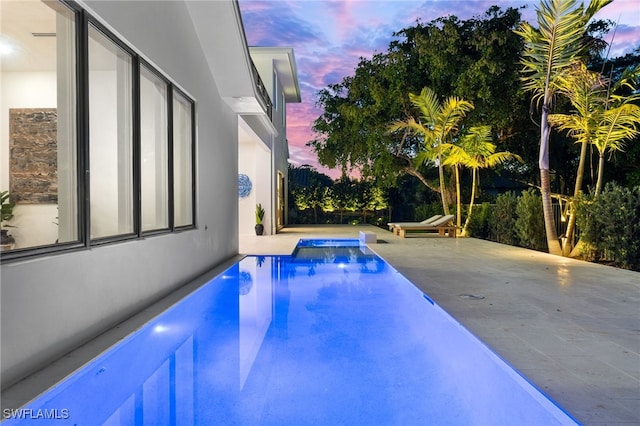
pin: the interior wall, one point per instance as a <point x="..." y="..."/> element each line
<point x="52" y="304"/>
<point x="33" y="224"/>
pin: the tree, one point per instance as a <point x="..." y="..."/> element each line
<point x="307" y="188"/>
<point x="600" y="117"/>
<point x="549" y="50"/>
<point x="343" y="195"/>
<point x="437" y="124"/>
<point x="618" y="124"/>
<point x="473" y="59"/>
<point x="476" y="151"/>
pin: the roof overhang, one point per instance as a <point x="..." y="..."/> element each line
<point x="284" y="63"/>
<point x="218" y="25"/>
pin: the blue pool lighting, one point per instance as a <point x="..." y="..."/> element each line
<point x="331" y="335"/>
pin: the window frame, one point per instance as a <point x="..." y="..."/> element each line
<point x="86" y="141"/>
<point x="83" y="20"/>
<point x="169" y="141"/>
<point x="193" y="109"/>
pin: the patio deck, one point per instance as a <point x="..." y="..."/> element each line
<point x="571" y="327"/>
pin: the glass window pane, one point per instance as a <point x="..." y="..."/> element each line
<point x="38" y="148"/>
<point x="182" y="160"/>
<point x="110" y="137"/>
<point x="154" y="148"/>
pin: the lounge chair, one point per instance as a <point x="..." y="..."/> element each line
<point x="442" y="225"/>
<point x="393" y="226"/>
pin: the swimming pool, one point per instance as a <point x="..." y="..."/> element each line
<point x="329" y="335"/>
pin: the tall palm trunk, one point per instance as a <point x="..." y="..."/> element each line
<point x="571" y="224"/>
<point x="600" y="174"/>
<point x="458" y="201"/>
<point x="443" y="192"/>
<point x="473" y="197"/>
<point x="545" y="182"/>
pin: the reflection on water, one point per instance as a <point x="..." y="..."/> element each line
<point x="268" y="342"/>
<point x="256" y="307"/>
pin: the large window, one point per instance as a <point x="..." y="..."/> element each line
<point x="38" y="127"/>
<point x="182" y="160"/>
<point x="154" y="144"/>
<point x="97" y="145"/>
<point x="110" y="137"/>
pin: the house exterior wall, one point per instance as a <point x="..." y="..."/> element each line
<point x="279" y="150"/>
<point x="50" y="305"/>
<point x="255" y="162"/>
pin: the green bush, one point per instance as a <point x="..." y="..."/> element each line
<point x="425" y="211"/>
<point x="479" y="223"/>
<point x="502" y="223"/>
<point x="610" y="226"/>
<point x="585" y="222"/>
<point x="529" y="223"/>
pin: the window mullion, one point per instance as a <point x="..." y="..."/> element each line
<point x="137" y="149"/>
<point x="84" y="142"/>
<point x="170" y="171"/>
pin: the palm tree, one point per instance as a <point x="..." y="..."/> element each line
<point x="437" y="123"/>
<point x="586" y="90"/>
<point x="549" y="50"/>
<point x="475" y="151"/>
<point x="597" y="119"/>
<point x="617" y="125"/>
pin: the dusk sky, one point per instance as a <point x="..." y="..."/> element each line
<point x="329" y="37"/>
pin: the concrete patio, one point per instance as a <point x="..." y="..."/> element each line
<point x="571" y="327"/>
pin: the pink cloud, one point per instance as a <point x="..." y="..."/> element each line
<point x="624" y="41"/>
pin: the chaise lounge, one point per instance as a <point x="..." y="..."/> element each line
<point x="443" y="225"/>
<point x="393" y="226"/>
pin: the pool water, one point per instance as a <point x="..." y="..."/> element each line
<point x="331" y="335"/>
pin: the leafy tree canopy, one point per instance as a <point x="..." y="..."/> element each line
<point x="473" y="59"/>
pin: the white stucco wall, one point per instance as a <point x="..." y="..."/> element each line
<point x="254" y="160"/>
<point x="52" y="304"/>
<point x="279" y="152"/>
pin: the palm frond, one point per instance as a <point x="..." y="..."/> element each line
<point x="578" y="127"/>
<point x="618" y="125"/>
<point x="556" y="43"/>
<point x="409" y="124"/>
<point x="427" y="103"/>
<point x="425" y="157"/>
<point x="455" y="155"/>
<point x="501" y="157"/>
<point x="451" y="113"/>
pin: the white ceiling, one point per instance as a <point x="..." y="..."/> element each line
<point x="18" y="20"/>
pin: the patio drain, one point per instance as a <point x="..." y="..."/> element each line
<point x="471" y="296"/>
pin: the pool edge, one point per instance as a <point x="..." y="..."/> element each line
<point x="31" y="387"/>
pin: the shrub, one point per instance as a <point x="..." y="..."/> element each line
<point x="585" y="221"/>
<point x="425" y="211"/>
<point x="529" y="223"/>
<point x="502" y="223"/>
<point x="479" y="223"/>
<point x="610" y="225"/>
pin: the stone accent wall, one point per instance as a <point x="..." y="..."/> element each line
<point x="33" y="163"/>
